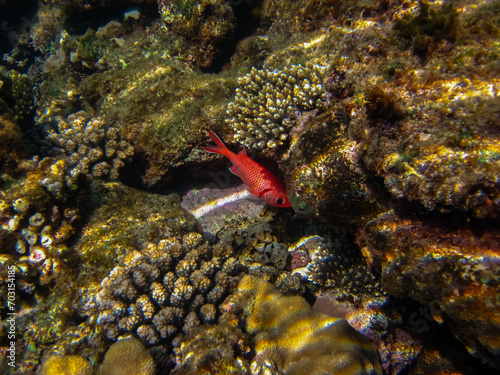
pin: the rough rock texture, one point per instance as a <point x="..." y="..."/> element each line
<point x="207" y="26"/>
<point x="12" y="149"/>
<point x="455" y="273"/>
<point x="325" y="178"/>
<point x="214" y="349"/>
<point x="125" y="219"/>
<point x="336" y="267"/>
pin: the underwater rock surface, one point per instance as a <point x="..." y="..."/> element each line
<point x="456" y="274"/>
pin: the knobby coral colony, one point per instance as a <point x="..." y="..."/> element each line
<point x="94" y="148"/>
<point x="37" y="214"/>
<point x="166" y="289"/>
<point x="265" y="106"/>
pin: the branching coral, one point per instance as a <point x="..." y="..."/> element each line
<point x="264" y="109"/>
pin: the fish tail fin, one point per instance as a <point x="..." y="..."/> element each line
<point x="220" y="147"/>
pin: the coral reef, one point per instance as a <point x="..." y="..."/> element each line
<point x="336" y="267"/>
<point x="254" y="241"/>
<point x="206" y="24"/>
<point x="399" y="110"/>
<point x="166" y="289"/>
<point x="265" y="106"/>
<point x="127" y="357"/>
<point x="12" y="148"/>
<point x="429" y="27"/>
<point x="16" y="95"/>
<point x="94" y="149"/>
<point x="291" y="337"/>
<point x="213" y="349"/>
<point x="325" y="176"/>
<point x="125" y="219"/>
<point x="454" y="273"/>
<point x="38" y="212"/>
<point x="66" y="365"/>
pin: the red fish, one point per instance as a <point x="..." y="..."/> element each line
<point x="258" y="179"/>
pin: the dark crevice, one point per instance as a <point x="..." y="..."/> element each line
<point x="79" y="21"/>
<point x="16" y="18"/>
<point x="246" y="24"/>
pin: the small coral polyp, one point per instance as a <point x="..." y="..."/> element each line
<point x="264" y="108"/>
<point x="93" y="148"/>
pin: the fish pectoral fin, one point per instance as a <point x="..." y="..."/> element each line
<point x="233" y="170"/>
<point x="262" y="192"/>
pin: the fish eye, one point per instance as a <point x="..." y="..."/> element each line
<point x="279" y="201"/>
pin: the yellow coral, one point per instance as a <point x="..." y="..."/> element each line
<point x="299" y="340"/>
<point x="127" y="357"/>
<point x="66" y="365"/>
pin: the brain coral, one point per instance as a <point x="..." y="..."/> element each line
<point x="297" y="340"/>
<point x="127" y="357"/>
<point x="264" y="108"/>
<point x="66" y="365"/>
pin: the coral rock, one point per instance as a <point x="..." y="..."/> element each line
<point x="455" y="273"/>
<point x="299" y="340"/>
<point x="264" y="109"/>
<point x="127" y="357"/>
<point x="66" y="365"/>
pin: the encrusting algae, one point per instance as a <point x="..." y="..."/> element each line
<point x="66" y="365"/>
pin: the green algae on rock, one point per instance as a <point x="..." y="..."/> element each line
<point x="12" y="148"/>
<point x="325" y="178"/>
<point x="207" y="26"/>
<point x="16" y="91"/>
<point x="125" y="219"/>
